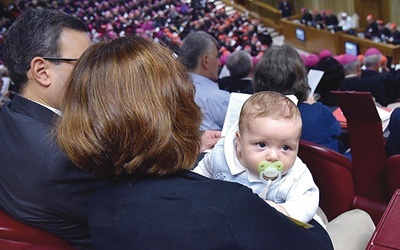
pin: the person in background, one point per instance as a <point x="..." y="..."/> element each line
<point x="240" y="66"/>
<point x="331" y="80"/>
<point x="354" y="82"/>
<point x="375" y="72"/>
<point x="147" y="148"/>
<point x="306" y="17"/>
<point x="384" y="32"/>
<point x="345" y="22"/>
<point x="199" y="52"/>
<point x="371" y="30"/>
<point x="39" y="185"/>
<point x="392" y="145"/>
<point x="394" y="34"/>
<point x="281" y="69"/>
<point x="285" y="8"/>
<point x="330" y="19"/>
<point x="318" y="19"/>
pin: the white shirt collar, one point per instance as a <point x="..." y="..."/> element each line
<point x="58" y="112"/>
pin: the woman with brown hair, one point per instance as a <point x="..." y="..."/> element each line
<point x="129" y="115"/>
<point x="281" y="69"/>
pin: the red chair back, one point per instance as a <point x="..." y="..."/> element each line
<point x="332" y="173"/>
<point x="17" y="235"/>
<point x="366" y="142"/>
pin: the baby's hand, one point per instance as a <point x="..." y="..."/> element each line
<point x="277" y="207"/>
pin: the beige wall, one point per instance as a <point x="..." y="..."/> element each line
<point x="393" y="11"/>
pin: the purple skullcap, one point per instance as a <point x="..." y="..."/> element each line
<point x="372" y="52"/>
<point x="338" y="57"/>
<point x="255" y="60"/>
<point x="347" y="58"/>
<point x="311" y="60"/>
<point x="325" y="53"/>
<point x="223" y="59"/>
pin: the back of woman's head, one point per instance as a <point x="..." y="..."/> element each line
<point x="129" y="109"/>
<point x="281" y="69"/>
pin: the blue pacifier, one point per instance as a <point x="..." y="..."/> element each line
<point x="270" y="172"/>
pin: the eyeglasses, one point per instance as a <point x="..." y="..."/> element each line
<point x="57" y="59"/>
<point x="60" y="59"/>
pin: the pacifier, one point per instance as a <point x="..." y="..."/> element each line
<point x="270" y="172"/>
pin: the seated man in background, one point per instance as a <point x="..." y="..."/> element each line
<point x="371" y="30"/>
<point x="373" y="68"/>
<point x="394" y="37"/>
<point x="384" y="32"/>
<point x="199" y="52"/>
<point x="39" y="185"/>
<point x="285" y="8"/>
<point x="240" y="66"/>
<point x="354" y="82"/>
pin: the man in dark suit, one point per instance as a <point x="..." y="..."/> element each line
<point x="285" y="8"/>
<point x="371" y="30"/>
<point x="373" y="66"/>
<point x="240" y="66"/>
<point x="38" y="184"/>
<point x="392" y="145"/>
<point x="353" y="81"/>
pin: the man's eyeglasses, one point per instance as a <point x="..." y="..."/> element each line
<point x="58" y="59"/>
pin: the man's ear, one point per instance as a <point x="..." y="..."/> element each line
<point x="39" y="71"/>
<point x="204" y="61"/>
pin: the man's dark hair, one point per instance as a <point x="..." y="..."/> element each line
<point x="35" y="33"/>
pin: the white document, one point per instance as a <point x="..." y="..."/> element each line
<point x="385" y="117"/>
<point x="314" y="76"/>
<point x="383" y="114"/>
<point x="235" y="105"/>
<point x="232" y="113"/>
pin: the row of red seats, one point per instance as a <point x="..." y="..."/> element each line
<point x="370" y="179"/>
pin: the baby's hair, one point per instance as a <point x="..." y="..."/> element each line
<point x="269" y="104"/>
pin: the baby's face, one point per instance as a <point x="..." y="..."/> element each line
<point x="266" y="139"/>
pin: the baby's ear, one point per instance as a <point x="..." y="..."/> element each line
<point x="237" y="133"/>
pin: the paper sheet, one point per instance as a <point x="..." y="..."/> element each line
<point x="314" y="76"/>
<point x="235" y="105"/>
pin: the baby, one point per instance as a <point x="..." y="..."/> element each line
<point x="261" y="153"/>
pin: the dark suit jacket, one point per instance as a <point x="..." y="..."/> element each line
<point x="286" y="9"/>
<point x="393" y="141"/>
<point x="231" y="84"/>
<point x="38" y="184"/>
<point x="370" y="84"/>
<point x="189" y="211"/>
<point x="387" y="79"/>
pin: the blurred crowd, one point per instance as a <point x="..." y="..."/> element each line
<point x="164" y="21"/>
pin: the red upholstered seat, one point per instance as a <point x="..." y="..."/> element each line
<point x="332" y="173"/>
<point x="375" y="177"/>
<point x="392" y="175"/>
<point x="16" y="235"/>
